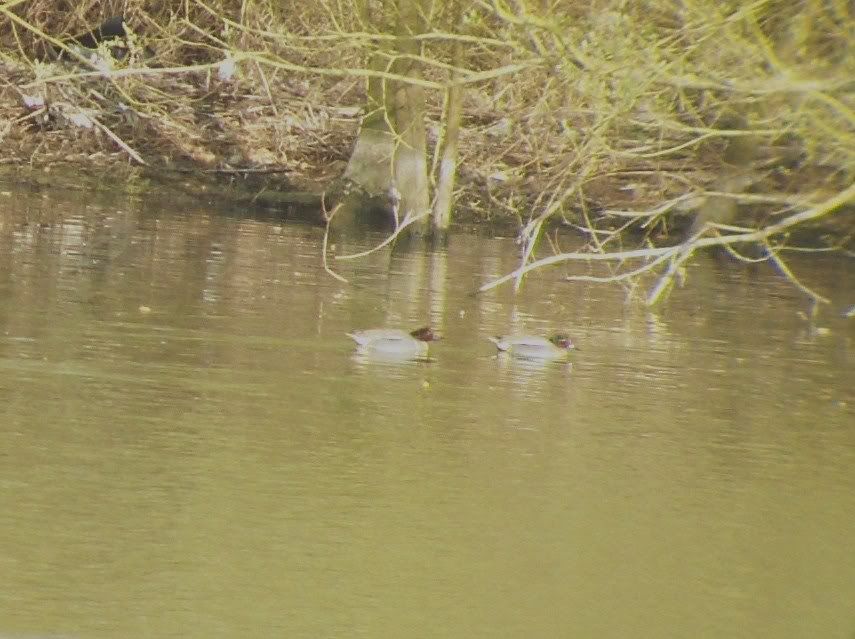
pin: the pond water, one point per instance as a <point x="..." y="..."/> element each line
<point x="190" y="448"/>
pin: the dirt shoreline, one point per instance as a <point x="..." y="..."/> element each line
<point x="280" y="154"/>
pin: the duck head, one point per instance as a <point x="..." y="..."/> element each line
<point x="425" y="334"/>
<point x="562" y="341"/>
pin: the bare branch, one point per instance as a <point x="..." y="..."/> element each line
<point x="329" y="218"/>
<point x="786" y="272"/>
<point x="760" y="235"/>
<point x="407" y="221"/>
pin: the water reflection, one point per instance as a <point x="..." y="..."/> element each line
<point x="185" y="469"/>
<point x="529" y="373"/>
<point x="365" y="359"/>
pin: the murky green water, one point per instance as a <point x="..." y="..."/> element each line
<point x="189" y="448"/>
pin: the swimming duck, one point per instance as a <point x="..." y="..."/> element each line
<point x="393" y="341"/>
<point x="533" y="346"/>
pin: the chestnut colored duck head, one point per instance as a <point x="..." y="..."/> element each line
<point x="563" y="341"/>
<point x="425" y="334"/>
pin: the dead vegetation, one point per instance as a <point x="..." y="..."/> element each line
<point x="623" y="120"/>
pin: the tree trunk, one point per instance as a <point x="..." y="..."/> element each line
<point x="448" y="151"/>
<point x="389" y="159"/>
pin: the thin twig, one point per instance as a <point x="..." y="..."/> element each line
<point x="786" y="272"/>
<point x="136" y="156"/>
<point x="329" y="219"/>
<point x="620" y="276"/>
<point x="408" y="220"/>
<point x="667" y="277"/>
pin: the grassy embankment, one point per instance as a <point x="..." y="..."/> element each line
<point x="709" y="118"/>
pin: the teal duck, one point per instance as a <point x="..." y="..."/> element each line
<point x="393" y="341"/>
<point x="533" y="346"/>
